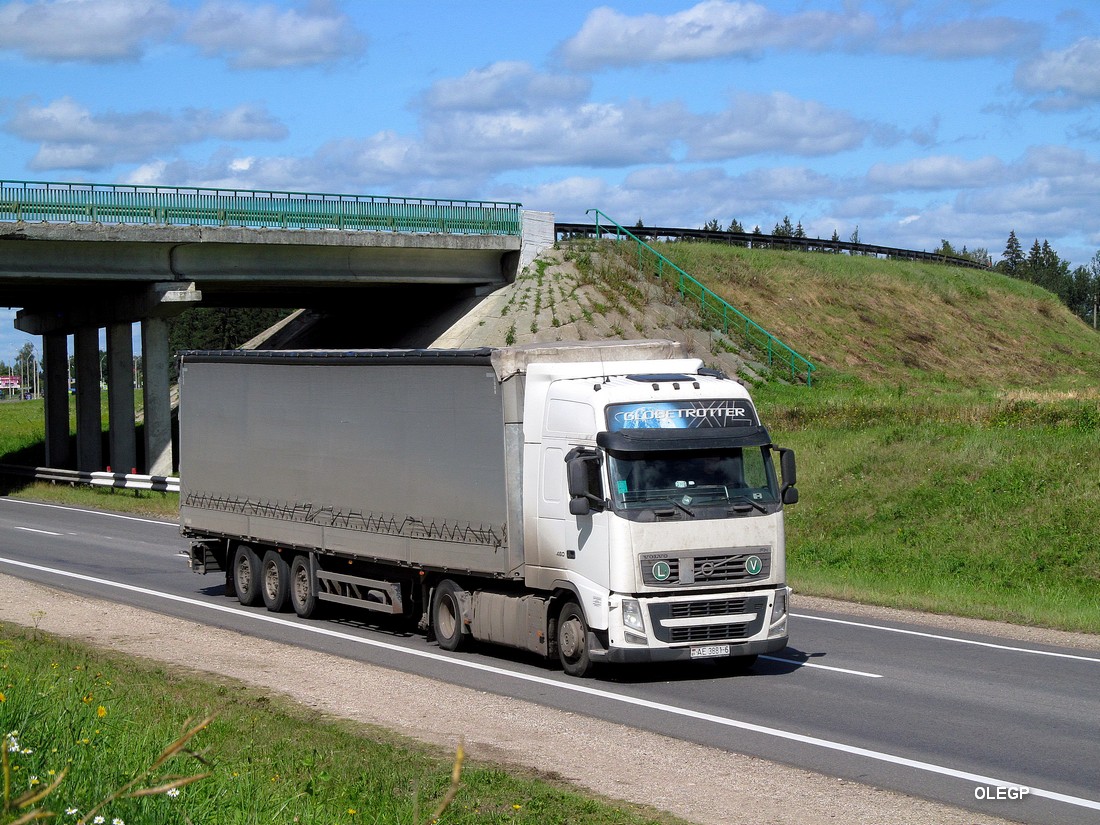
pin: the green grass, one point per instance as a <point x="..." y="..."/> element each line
<point x="104" y="719"/>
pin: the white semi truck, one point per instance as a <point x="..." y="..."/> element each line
<point x="598" y="502"/>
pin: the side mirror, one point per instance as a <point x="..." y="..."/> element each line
<point x="582" y="472"/>
<point x="790" y="476"/>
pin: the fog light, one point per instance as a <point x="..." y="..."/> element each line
<point x="632" y="615"/>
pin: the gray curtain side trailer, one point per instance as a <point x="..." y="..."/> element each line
<point x="407" y="482"/>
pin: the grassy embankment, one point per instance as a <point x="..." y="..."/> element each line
<point x="948" y="453"/>
<point x="104" y="719"/>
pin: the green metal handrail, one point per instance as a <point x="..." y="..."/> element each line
<point x="713" y="308"/>
<point x="194" y="206"/>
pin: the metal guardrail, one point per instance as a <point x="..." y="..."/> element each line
<point x="713" y="308"/>
<point x="34" y="201"/>
<point x="753" y="240"/>
<point x="120" y="481"/>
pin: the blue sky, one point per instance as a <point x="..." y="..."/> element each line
<point x="913" y="121"/>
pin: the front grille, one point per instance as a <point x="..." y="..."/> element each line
<point x="708" y="633"/>
<point x="740" y="565"/>
<point x="689" y="633"/>
<point x="718" y="607"/>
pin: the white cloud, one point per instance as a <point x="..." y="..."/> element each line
<point x="70" y="136"/>
<point x="505" y="85"/>
<point x="713" y="28"/>
<point x="247" y="35"/>
<point x="1069" y="78"/>
<point x="941" y="172"/>
<point x="775" y="123"/>
<point x="967" y="38"/>
<point x="269" y="37"/>
<point x="97" y="31"/>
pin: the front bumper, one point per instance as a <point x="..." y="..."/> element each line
<point x="748" y="622"/>
<point x="640" y="655"/>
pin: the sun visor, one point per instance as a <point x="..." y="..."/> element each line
<point x="657" y="440"/>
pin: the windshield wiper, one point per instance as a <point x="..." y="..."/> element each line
<point x="748" y="501"/>
<point x="682" y="506"/>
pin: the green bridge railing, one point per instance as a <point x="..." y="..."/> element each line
<point x="35" y="201"/>
<point x="713" y="308"/>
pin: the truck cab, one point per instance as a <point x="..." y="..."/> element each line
<point x="658" y="511"/>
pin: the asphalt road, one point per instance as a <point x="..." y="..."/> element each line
<point x="993" y="725"/>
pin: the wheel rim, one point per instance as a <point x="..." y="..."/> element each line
<point x="271" y="580"/>
<point x="301" y="584"/>
<point x="571" y="638"/>
<point x="244" y="572"/>
<point x="446" y="619"/>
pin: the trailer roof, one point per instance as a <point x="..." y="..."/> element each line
<point x="506" y="361"/>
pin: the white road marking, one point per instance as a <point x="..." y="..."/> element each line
<point x="32" y="530"/>
<point x="942" y="638"/>
<point x="103" y="513"/>
<point x="803" y="663"/>
<point x="576" y="687"/>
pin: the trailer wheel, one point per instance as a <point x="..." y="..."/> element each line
<point x="246" y="575"/>
<point x="572" y="640"/>
<point x="275" y="581"/>
<point x="302" y="587"/>
<point x="447" y="616"/>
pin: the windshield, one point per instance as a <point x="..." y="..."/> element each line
<point x="691" y="479"/>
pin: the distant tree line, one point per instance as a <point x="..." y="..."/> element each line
<point x="1079" y="290"/>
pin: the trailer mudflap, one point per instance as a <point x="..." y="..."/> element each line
<point x="202" y="558"/>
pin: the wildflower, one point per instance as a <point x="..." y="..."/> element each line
<point x="117" y="821"/>
<point x="2" y="698"/>
<point x="101" y="711"/>
<point x="99" y="820"/>
<point x="351" y="811"/>
<point x="71" y="812"/>
<point x="173" y="792"/>
<point x="517" y="806"/>
<point x="87" y="699"/>
<point x="34" y="781"/>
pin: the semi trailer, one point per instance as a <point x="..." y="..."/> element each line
<point x="591" y="502"/>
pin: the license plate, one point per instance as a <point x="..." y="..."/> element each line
<point x="709" y="651"/>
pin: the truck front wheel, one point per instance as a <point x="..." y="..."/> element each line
<point x="246" y="575"/>
<point x="572" y="641"/>
<point x="447" y="616"/>
<point x="275" y="581"/>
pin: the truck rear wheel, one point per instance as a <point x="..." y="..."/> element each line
<point x="572" y="641"/>
<point x="302" y="587"/>
<point x="246" y="575"/>
<point x="447" y="616"/>
<point x="275" y="581"/>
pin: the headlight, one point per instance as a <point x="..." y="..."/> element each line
<point x="632" y="615"/>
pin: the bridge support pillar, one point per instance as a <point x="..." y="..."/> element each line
<point x="89" y="416"/>
<point x="120" y="397"/>
<point x="55" y="357"/>
<point x="157" y="397"/>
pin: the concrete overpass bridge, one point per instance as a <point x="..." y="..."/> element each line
<point x="376" y="271"/>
